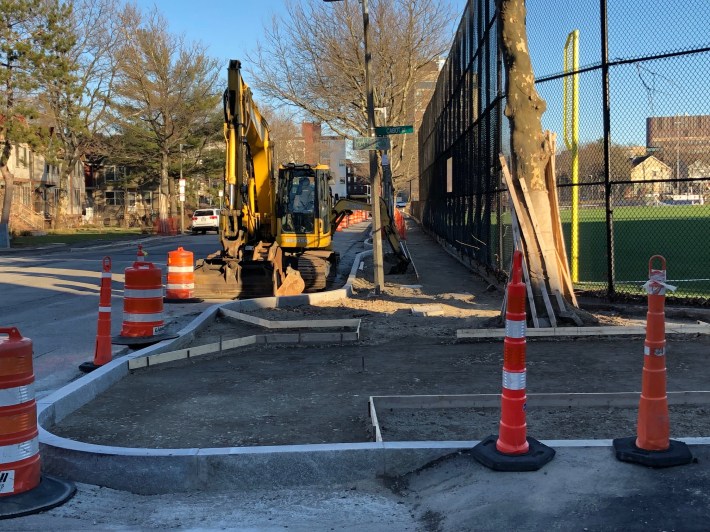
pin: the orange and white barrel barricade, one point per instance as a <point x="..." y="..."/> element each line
<point x="652" y="445"/>
<point x="21" y="481"/>
<point x="512" y="449"/>
<point x="142" y="306"/>
<point x="102" y="350"/>
<point x="180" y="281"/>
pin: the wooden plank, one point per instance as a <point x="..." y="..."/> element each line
<point x="526" y="274"/>
<point x="549" y="254"/>
<point x="517" y="236"/>
<point x="552" y="273"/>
<point x="561" y="248"/>
<point x="567" y="278"/>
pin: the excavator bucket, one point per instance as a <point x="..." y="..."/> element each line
<point x="292" y="284"/>
<point x="216" y="279"/>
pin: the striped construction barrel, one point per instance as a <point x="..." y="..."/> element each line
<point x="19" y="441"/>
<point x="181" y="275"/>
<point x="142" y="301"/>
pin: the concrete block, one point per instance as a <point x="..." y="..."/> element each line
<point x="170" y="356"/>
<point x="350" y="336"/>
<point x="137" y="363"/>
<point x="240" y="342"/>
<point x="292" y="301"/>
<point x="284" y="338"/>
<point x="320" y="338"/>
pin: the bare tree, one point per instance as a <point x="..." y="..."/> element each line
<point x="166" y="87"/>
<point x="284" y="133"/>
<point x="312" y="57"/>
<point x="76" y="102"/>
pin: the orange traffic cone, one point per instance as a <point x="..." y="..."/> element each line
<point x="102" y="351"/>
<point x="143" y="322"/>
<point x="141" y="255"/>
<point x="24" y="490"/>
<point x="652" y="445"/>
<point x="512" y="450"/>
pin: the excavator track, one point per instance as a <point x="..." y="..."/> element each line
<point x="315" y="272"/>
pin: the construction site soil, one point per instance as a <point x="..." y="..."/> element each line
<point x="288" y="394"/>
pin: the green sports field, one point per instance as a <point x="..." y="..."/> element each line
<point x="681" y="233"/>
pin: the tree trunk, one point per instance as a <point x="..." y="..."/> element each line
<point x="164" y="190"/>
<point x="61" y="214"/>
<point x="530" y="151"/>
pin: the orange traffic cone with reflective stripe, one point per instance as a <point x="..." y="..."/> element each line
<point x="24" y="489"/>
<point x="512" y="450"/>
<point x="102" y="351"/>
<point x="652" y="445"/>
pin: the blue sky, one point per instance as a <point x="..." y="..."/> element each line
<point x="230" y="28"/>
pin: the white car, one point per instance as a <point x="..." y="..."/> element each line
<point x="204" y="220"/>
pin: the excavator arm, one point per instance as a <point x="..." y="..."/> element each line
<point x="250" y="263"/>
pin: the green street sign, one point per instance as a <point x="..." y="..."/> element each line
<point x="393" y="130"/>
<point x="371" y="143"/>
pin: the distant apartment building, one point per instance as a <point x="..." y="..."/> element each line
<point x="36" y="190"/>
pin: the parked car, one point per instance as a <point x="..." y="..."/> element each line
<point x="204" y="220"/>
<point x="400" y="203"/>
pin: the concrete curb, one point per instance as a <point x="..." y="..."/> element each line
<point x="169" y="470"/>
<point x="153" y="471"/>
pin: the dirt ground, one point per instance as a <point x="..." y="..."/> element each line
<point x="267" y="395"/>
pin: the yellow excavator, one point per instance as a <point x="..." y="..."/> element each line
<point x="276" y="231"/>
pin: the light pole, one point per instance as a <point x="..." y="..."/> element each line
<point x="375" y="180"/>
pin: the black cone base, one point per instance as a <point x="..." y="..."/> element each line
<point x="537" y="456"/>
<point x="88" y="367"/>
<point x="185" y="300"/>
<point x="138" y="341"/>
<point x="676" y="454"/>
<point x="49" y="493"/>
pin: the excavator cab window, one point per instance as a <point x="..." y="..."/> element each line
<point x="298" y="195"/>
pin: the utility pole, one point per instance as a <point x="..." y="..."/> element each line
<point x="375" y="181"/>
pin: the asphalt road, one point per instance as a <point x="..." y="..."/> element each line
<point x="52" y="295"/>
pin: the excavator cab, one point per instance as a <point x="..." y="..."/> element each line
<point x="304" y="207"/>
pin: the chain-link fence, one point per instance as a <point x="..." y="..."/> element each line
<point x="633" y="161"/>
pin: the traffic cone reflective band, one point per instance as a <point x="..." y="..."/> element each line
<point x="512" y="450"/>
<point x="23" y="490"/>
<point x="180" y="284"/>
<point x="102" y="353"/>
<point x="512" y="430"/>
<point x="142" y="301"/>
<point x="652" y="445"/>
<point x="102" y="350"/>
<point x="142" y="306"/>
<point x="19" y="438"/>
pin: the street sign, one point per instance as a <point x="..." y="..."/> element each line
<point x="371" y="143"/>
<point x="393" y="130"/>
